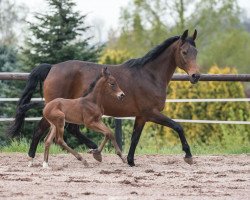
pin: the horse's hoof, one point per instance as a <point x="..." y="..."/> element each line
<point x="189" y="160"/>
<point x="96" y="154"/>
<point x="132" y="164"/>
<point x="45" y="165"/>
<point x="130" y="161"/>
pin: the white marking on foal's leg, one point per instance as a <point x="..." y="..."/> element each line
<point x="45" y="164"/>
<point x="30" y="162"/>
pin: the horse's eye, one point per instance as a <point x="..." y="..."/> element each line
<point x="184" y="52"/>
<point x="112" y="84"/>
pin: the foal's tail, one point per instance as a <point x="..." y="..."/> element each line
<point x="37" y="75"/>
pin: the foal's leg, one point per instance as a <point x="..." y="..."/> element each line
<point x="159" y="118"/>
<point x="75" y="131"/>
<point x="37" y="135"/>
<point x="101" y="127"/>
<point x="47" y="142"/>
<point x="63" y="144"/>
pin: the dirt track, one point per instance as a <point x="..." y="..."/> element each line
<point x="154" y="177"/>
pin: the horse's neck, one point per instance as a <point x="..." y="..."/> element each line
<point x="96" y="95"/>
<point x="164" y="66"/>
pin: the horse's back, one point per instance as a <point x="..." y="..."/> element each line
<point x="66" y="79"/>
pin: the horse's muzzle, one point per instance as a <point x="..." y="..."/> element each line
<point x="194" y="78"/>
<point x="120" y="95"/>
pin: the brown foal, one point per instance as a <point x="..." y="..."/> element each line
<point x="86" y="110"/>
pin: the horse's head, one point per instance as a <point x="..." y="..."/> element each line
<point x="112" y="85"/>
<point x="186" y="56"/>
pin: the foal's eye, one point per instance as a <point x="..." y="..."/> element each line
<point x="112" y="84"/>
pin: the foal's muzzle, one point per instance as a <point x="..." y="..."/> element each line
<point x="120" y="95"/>
<point x="194" y="78"/>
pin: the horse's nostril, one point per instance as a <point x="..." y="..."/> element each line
<point x="121" y="95"/>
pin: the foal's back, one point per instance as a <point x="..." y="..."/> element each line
<point x="76" y="111"/>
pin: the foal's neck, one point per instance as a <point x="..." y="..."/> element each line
<point x="164" y="66"/>
<point x="96" y="95"/>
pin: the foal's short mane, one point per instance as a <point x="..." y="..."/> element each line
<point x="92" y="85"/>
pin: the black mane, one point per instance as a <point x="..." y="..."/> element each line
<point x="152" y="54"/>
<point x="92" y="85"/>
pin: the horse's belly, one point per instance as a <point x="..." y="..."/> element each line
<point x="120" y="108"/>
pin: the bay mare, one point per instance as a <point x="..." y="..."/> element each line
<point x="87" y="110"/>
<point x="144" y="81"/>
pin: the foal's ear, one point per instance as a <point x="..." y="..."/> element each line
<point x="105" y="72"/>
<point x="194" y="35"/>
<point x="184" y="35"/>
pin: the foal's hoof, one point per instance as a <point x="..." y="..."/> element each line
<point x="189" y="160"/>
<point x="96" y="154"/>
<point x="123" y="159"/>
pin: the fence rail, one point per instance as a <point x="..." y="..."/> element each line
<point x="132" y="118"/>
<point x="176" y="77"/>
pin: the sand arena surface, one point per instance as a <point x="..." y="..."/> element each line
<point x="154" y="177"/>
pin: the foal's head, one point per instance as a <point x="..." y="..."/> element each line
<point x="186" y="56"/>
<point x="111" y="86"/>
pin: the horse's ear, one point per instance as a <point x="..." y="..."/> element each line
<point x="105" y="72"/>
<point x="194" y="35"/>
<point x="184" y="35"/>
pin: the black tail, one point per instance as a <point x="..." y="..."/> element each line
<point x="37" y="75"/>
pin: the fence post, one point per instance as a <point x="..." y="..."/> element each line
<point x="118" y="132"/>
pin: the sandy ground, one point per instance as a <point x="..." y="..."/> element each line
<point x="154" y="177"/>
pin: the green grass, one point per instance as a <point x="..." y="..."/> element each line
<point x="212" y="149"/>
<point x="22" y="146"/>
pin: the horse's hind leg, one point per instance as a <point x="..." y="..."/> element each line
<point x="75" y="131"/>
<point x="63" y="144"/>
<point x="37" y="135"/>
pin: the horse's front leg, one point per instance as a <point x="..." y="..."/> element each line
<point x="161" y="119"/>
<point x="138" y="127"/>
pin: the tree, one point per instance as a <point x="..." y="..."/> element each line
<point x="8" y="63"/>
<point x="58" y="36"/>
<point x="145" y="24"/>
<point x="11" y="16"/>
<point x="114" y="57"/>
